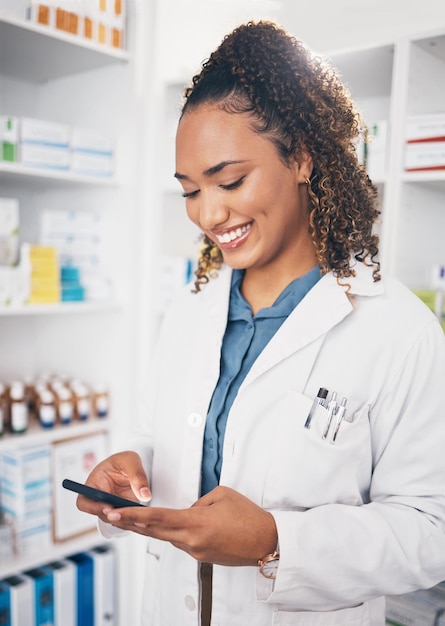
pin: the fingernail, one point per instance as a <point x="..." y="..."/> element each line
<point x="114" y="517"/>
<point x="140" y="525"/>
<point x="145" y="494"/>
<point x="106" y="510"/>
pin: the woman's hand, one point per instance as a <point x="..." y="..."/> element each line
<point x="121" y="474"/>
<point x="222" y="527"/>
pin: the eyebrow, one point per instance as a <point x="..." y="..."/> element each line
<point x="211" y="170"/>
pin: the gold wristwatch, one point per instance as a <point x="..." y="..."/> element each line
<point x="269" y="565"/>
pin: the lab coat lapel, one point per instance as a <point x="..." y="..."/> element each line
<point x="305" y="330"/>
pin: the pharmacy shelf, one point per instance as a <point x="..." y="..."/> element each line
<point x="38" y="54"/>
<point x="14" y="172"/>
<point x="376" y="80"/>
<point x="52" y="553"/>
<point x="59" y="308"/>
<point x="426" y="176"/>
<point x="36" y="434"/>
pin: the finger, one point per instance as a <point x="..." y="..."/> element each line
<point x="131" y="466"/>
<point x="161" y="523"/>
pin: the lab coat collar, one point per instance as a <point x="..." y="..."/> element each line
<point x="323" y="307"/>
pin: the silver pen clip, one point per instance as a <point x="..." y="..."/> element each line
<point x="332" y="409"/>
<point x="340" y="415"/>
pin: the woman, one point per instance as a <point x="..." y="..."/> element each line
<point x="294" y="452"/>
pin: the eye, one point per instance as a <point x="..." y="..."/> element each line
<point x="190" y="194"/>
<point x="233" y="185"/>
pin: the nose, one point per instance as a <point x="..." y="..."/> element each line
<point x="213" y="212"/>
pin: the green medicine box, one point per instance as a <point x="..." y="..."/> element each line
<point x="8" y="138"/>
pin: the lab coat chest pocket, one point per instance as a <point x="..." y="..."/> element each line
<point x="307" y="470"/>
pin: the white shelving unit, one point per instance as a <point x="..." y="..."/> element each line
<point x="12" y="172"/>
<point x="392" y="82"/>
<point x="55" y="54"/>
<point x="37" y="436"/>
<point x="58" y="77"/>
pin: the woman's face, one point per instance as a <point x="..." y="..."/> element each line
<point x="241" y="194"/>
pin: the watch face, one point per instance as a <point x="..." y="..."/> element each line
<point x="269" y="569"/>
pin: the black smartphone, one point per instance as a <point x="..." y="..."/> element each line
<point x="98" y="495"/>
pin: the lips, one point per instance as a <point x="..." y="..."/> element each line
<point x="231" y="238"/>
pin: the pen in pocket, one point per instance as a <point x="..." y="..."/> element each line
<point x="340" y="415"/>
<point x="319" y="400"/>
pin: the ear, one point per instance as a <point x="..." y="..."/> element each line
<point x="303" y="166"/>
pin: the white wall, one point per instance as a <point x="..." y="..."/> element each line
<point x="188" y="30"/>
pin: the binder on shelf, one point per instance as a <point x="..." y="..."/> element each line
<point x="5" y="607"/>
<point x="65" y="605"/>
<point x="85" y="588"/>
<point x="104" y="558"/>
<point x="21" y="594"/>
<point x="43" y="601"/>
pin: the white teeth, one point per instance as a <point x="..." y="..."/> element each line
<point x="233" y="234"/>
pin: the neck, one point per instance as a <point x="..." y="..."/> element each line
<point x="261" y="288"/>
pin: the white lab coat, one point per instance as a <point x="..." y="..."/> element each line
<point x="356" y="519"/>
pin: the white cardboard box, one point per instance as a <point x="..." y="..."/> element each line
<point x="426" y="127"/>
<point x="425" y="156"/>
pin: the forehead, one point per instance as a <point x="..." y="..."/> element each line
<point x="208" y="135"/>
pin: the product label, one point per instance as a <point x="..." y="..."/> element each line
<point x="83" y="408"/>
<point x="19" y="417"/>
<point x="47" y="415"/>
<point x="102" y="406"/>
<point x="66" y="411"/>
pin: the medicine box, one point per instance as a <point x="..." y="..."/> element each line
<point x="44" y="133"/>
<point x="425" y="156"/>
<point x="44" y="144"/>
<point x="375" y="150"/>
<point x="42" y="12"/>
<point x="92" y="142"/>
<point x="31" y="536"/>
<point x="14" y="285"/>
<point x="5" y="605"/>
<point x="104" y="577"/>
<point x="65" y="605"/>
<point x="43" y="587"/>
<point x="426" y="128"/>
<point x="25" y="481"/>
<point x="9" y="231"/>
<point x="6" y="541"/>
<point x="90" y="164"/>
<point x="43" y="156"/>
<point x="21" y="600"/>
<point x="85" y="588"/>
<point x="9" y="138"/>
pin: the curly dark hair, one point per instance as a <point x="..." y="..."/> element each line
<point x="300" y="103"/>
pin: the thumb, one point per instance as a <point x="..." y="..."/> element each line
<point x="131" y="465"/>
<point x="140" y="487"/>
<point x="209" y="498"/>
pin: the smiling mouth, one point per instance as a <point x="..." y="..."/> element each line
<point x="234" y="235"/>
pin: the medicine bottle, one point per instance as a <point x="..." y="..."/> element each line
<point x="2" y="408"/>
<point x="101" y="400"/>
<point x="47" y="408"/>
<point x="64" y="404"/>
<point x="18" y="407"/>
<point x="82" y="401"/>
